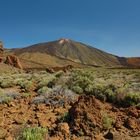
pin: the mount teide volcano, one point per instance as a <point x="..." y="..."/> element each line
<point x="68" y="52"/>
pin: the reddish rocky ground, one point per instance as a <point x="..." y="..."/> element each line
<point x="88" y="118"/>
<point x="21" y="113"/>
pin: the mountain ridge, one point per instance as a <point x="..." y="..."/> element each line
<point x="67" y="51"/>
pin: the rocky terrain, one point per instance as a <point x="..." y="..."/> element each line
<point x="89" y="118"/>
<point x="65" y="97"/>
<point x="75" y="104"/>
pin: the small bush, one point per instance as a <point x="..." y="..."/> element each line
<point x="65" y="117"/>
<point x="1" y="92"/>
<point x="36" y="133"/>
<point x="132" y="99"/>
<point x="59" y="74"/>
<point x="6" y="83"/>
<point x="110" y="95"/>
<point x="77" y="89"/>
<point x="45" y="80"/>
<point x="107" y="122"/>
<point x="6" y="99"/>
<point x="51" y="84"/>
<point x="44" y="90"/>
<point x="27" y="85"/>
<point x="138" y="105"/>
<point x="26" y="95"/>
<point x="80" y="132"/>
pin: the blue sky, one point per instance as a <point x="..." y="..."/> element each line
<point x="110" y="25"/>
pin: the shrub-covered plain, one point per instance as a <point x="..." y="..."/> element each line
<point x="114" y="85"/>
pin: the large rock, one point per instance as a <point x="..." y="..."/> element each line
<point x="14" y="61"/>
<point x="1" y="47"/>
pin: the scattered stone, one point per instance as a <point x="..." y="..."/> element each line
<point x="3" y="133"/>
<point x="64" y="128"/>
<point x="134" y="112"/>
<point x="131" y="123"/>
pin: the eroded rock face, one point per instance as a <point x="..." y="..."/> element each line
<point x="1" y="47"/>
<point x="14" y="61"/>
<point x="9" y="59"/>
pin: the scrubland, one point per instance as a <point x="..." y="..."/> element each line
<point x="87" y="103"/>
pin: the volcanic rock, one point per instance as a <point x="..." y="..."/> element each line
<point x="64" y="128"/>
<point x="3" y="133"/>
<point x="88" y="116"/>
<point x="131" y="123"/>
<point x="1" y="48"/>
<point x="14" y="61"/>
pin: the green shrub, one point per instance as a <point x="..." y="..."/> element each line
<point x="36" y="133"/>
<point x="44" y="90"/>
<point x="7" y="99"/>
<point x="65" y="117"/>
<point x="27" y="85"/>
<point x="77" y="89"/>
<point x="6" y="83"/>
<point x="131" y="99"/>
<point x="138" y="105"/>
<point x="80" y="132"/>
<point x="51" y="84"/>
<point x="44" y="81"/>
<point x="26" y="95"/>
<point x="107" y="122"/>
<point x="81" y="81"/>
<point x="110" y="95"/>
<point x="1" y="92"/>
<point x="59" y="74"/>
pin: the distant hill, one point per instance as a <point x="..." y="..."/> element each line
<point x="65" y="51"/>
<point x="68" y="52"/>
<point x="133" y="61"/>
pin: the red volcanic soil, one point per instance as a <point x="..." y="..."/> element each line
<point x="91" y="117"/>
<point x="135" y="61"/>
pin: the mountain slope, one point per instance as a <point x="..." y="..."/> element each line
<point x="65" y="51"/>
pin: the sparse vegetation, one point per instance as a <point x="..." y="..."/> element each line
<point x="26" y="95"/>
<point x="106" y="86"/>
<point x="6" y="83"/>
<point x="80" y="132"/>
<point x="36" y="133"/>
<point x="65" y="117"/>
<point x="44" y="90"/>
<point x="107" y="122"/>
<point x="42" y="94"/>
